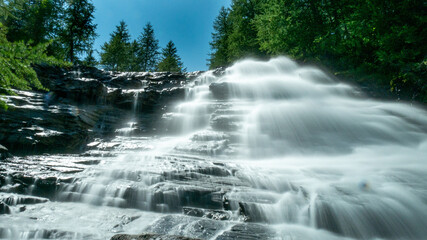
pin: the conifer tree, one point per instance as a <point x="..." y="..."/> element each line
<point x="115" y="54"/>
<point x="90" y="59"/>
<point x="79" y="31"/>
<point x="134" y="59"/>
<point x="170" y="61"/>
<point x="219" y="56"/>
<point x="242" y="41"/>
<point x="148" y="49"/>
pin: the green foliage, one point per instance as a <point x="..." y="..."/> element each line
<point x="134" y="62"/>
<point x="365" y="37"/>
<point x="35" y="21"/>
<point x="16" y="59"/>
<point x="242" y="40"/>
<point x="170" y="61"/>
<point x="79" y="31"/>
<point x="222" y="27"/>
<point x="90" y="59"/>
<point x="66" y="24"/>
<point x="148" y="49"/>
<point x="116" y="55"/>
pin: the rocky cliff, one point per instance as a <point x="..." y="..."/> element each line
<point x="85" y="103"/>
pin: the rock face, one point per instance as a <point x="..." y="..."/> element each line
<point x="149" y="237"/>
<point x="84" y="103"/>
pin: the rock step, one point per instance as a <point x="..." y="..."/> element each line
<point x="149" y="236"/>
<point x="6" y="233"/>
<point x="207" y="213"/>
<point x="204" y="228"/>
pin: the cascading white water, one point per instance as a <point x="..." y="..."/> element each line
<point x="284" y="146"/>
<point x="280" y="108"/>
<point x="357" y="166"/>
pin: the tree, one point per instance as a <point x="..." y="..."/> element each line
<point x="170" y="61"/>
<point x="37" y="21"/>
<point x="115" y="54"/>
<point x="242" y="41"/>
<point x="16" y="59"/>
<point x="148" y="49"/>
<point x="134" y="61"/>
<point x="219" y="45"/>
<point x="90" y="60"/>
<point x="79" y="31"/>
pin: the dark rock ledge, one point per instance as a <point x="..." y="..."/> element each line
<point x="84" y="103"/>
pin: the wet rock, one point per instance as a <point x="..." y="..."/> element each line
<point x="187" y="226"/>
<point x="219" y="71"/>
<point x="149" y="236"/>
<point x="83" y="103"/>
<point x="17" y="200"/>
<point x="220" y="90"/>
<point x="4" y="152"/>
<point x="6" y="233"/>
<point x="249" y="232"/>
<point x="30" y="126"/>
<point x="4" y="208"/>
<point x="225" y="123"/>
<point x="207" y="213"/>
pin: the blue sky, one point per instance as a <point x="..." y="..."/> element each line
<point x="188" y="23"/>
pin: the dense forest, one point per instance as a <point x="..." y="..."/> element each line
<point x="383" y="42"/>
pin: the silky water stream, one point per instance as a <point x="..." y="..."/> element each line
<point x="268" y="150"/>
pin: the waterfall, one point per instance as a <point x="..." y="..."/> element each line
<point x="267" y="150"/>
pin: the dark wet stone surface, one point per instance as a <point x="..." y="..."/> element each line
<point x="248" y="231"/>
<point x="4" y="208"/>
<point x="149" y="236"/>
<point x="83" y="103"/>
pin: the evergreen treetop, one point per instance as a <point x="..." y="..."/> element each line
<point x="115" y="53"/>
<point x="79" y="31"/>
<point x="220" y="56"/>
<point x="148" y="49"/>
<point x="170" y="61"/>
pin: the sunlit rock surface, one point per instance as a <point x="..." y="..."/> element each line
<point x="83" y="103"/>
<point x="281" y="152"/>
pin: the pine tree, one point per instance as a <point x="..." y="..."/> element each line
<point x="242" y="41"/>
<point x="134" y="59"/>
<point x="170" y="61"/>
<point x="148" y="49"/>
<point x="219" y="56"/>
<point x="90" y="60"/>
<point x="115" y="54"/>
<point x="79" y="32"/>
